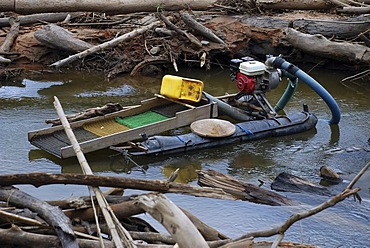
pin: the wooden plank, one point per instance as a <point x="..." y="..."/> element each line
<point x="145" y="105"/>
<point x="181" y="119"/>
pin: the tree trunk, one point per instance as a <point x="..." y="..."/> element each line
<point x="318" y="45"/>
<point x="294" y="4"/>
<point x="57" y="37"/>
<point x="113" y="6"/>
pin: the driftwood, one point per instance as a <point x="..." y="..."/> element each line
<point x="199" y="28"/>
<point x="244" y="191"/>
<point x="120" y="236"/>
<point x="294" y="4"/>
<point x="52" y="215"/>
<point x="11" y="36"/>
<point x="173" y="219"/>
<point x="18" y="238"/>
<point x="320" y="46"/>
<point x="88" y="113"/>
<point x="39" y="179"/>
<point x="289" y="183"/>
<point x="114" y="6"/>
<point x="31" y="19"/>
<point x="330" y="26"/>
<point x="57" y="37"/>
<point x="105" y="45"/>
<point x="280" y="230"/>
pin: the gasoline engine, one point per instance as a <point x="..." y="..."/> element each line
<point x="254" y="79"/>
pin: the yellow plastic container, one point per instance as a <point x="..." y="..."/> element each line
<point x="180" y="88"/>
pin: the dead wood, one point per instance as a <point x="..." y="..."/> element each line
<point x="54" y="36"/>
<point x="355" y="10"/>
<point x="294" y="4"/>
<point x="114" y="6"/>
<point x="194" y="40"/>
<point x="201" y="29"/>
<point x="241" y="190"/>
<point x="121" y="210"/>
<point x="52" y="215"/>
<point x="18" y="238"/>
<point x="39" y="179"/>
<point x="105" y="45"/>
<point x="320" y="46"/>
<point x="11" y="36"/>
<point x="173" y="219"/>
<point x="280" y="230"/>
<point x="149" y="61"/>
<point x="88" y="113"/>
<point x="289" y="183"/>
<point x="31" y="19"/>
<point x="328" y="25"/>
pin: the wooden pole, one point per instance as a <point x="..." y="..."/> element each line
<point x="104" y="206"/>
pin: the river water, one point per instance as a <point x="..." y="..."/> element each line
<point x="27" y="102"/>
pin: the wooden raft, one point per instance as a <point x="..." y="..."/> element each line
<point x="55" y="141"/>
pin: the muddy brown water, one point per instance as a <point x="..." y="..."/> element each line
<point x="25" y="104"/>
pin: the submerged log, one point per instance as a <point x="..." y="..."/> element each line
<point x="52" y="215"/>
<point x="57" y="37"/>
<point x="289" y="183"/>
<point x="242" y="190"/>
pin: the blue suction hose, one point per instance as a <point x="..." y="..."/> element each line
<point x="279" y="62"/>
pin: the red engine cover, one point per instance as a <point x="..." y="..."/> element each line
<point x="245" y="83"/>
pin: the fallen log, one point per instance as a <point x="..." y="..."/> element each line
<point x="244" y="191"/>
<point x="105" y="45"/>
<point x="289" y="183"/>
<point x="52" y="215"/>
<point x="318" y="45"/>
<point x="328" y="26"/>
<point x="57" y="37"/>
<point x="31" y="19"/>
<point x="39" y="179"/>
<point x="294" y="4"/>
<point x="11" y="35"/>
<point x="112" y="6"/>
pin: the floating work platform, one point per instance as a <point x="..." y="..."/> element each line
<point x="152" y="116"/>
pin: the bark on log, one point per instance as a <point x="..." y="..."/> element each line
<point x="289" y="183"/>
<point x="39" y="179"/>
<point x="52" y="215"/>
<point x="342" y="28"/>
<point x="294" y="4"/>
<point x="57" y="37"/>
<point x="318" y="45"/>
<point x="244" y="191"/>
<point x="11" y="35"/>
<point x="200" y="29"/>
<point x="105" y="45"/>
<point x="355" y="10"/>
<point x="31" y="19"/>
<point x="111" y="7"/>
<point x="18" y="238"/>
<point x="173" y="219"/>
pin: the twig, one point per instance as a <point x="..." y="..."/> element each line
<point x="356" y="75"/>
